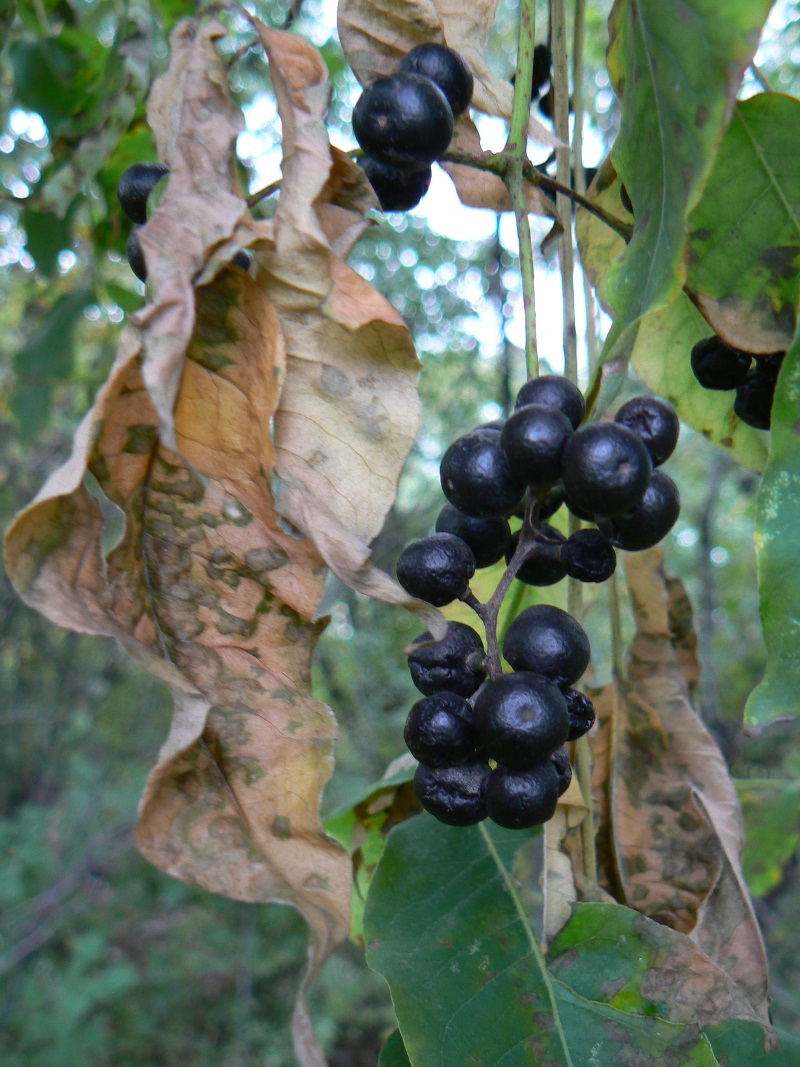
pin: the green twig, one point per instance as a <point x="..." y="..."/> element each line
<point x="532" y="939"/>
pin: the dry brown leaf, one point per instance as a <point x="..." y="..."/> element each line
<point x="376" y="36"/>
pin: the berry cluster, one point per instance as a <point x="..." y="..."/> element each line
<point x="404" y="122"/>
<point x="718" y="365"/>
<point x="528" y="465"/>
<point x="133" y="191"/>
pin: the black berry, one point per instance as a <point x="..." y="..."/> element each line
<point x="541" y="69"/>
<point x="534" y="439"/>
<point x="455" y="795"/>
<point x="605" y="468"/>
<point x="476" y="477"/>
<point x="395" y="188"/>
<point x="649" y="520"/>
<point x="581" y="713"/>
<point x="518" y="799"/>
<point x="135" y="186"/>
<point x="446" y="68"/>
<point x="560" y="760"/>
<point x="655" y="421"/>
<point x="551" y="502"/>
<point x="439" y="730"/>
<point x="135" y="254"/>
<point x="588" y="556"/>
<point x="717" y="365"/>
<point x="521" y="719"/>
<point x="436" y="569"/>
<point x="548" y="641"/>
<point x="553" y="391"/>
<point x="753" y="403"/>
<point x="544" y="566"/>
<point x="403" y="120"/>
<point x="242" y="260"/>
<point x="452" y="664"/>
<point x="488" y="538"/>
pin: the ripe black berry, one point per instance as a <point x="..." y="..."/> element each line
<point x="753" y="403"/>
<point x="446" y="68"/>
<point x="534" y="439"/>
<point x="548" y="641"/>
<point x="452" y="664"/>
<point x="588" y="557"/>
<point x="436" y="569"/>
<point x="488" y="538"/>
<point x="581" y="713"/>
<point x="605" y="468"/>
<point x="135" y="254"/>
<point x="717" y="365"/>
<point x="518" y="799"/>
<point x="541" y="69"/>
<point x="403" y="120"/>
<point x="649" y="520"/>
<point x="455" y="795"/>
<point x="476" y="478"/>
<point x="395" y="188"/>
<point x="439" y="730"/>
<point x="242" y="260"/>
<point x="521" y="719"/>
<point x="553" y="391"/>
<point x="551" y="502"/>
<point x="655" y="421"/>
<point x="545" y="566"/>
<point x="560" y="760"/>
<point x="135" y="186"/>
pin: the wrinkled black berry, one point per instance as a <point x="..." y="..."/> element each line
<point x="436" y="569"/>
<point x="403" y="120"/>
<point x="548" y="641"/>
<point x="488" y="538"/>
<point x="449" y="664"/>
<point x="439" y="730"/>
<point x="476" y="478"/>
<point x="454" y="795"/>
<point x="534" y="439"/>
<point x="649" y="520"/>
<point x="135" y="186"/>
<point x="545" y="566"/>
<point x="605" y="468"/>
<point x="519" y="799"/>
<point x="521" y="719"/>
<point x="395" y="188"/>
<point x="588" y="557"/>
<point x="560" y="760"/>
<point x="135" y="254"/>
<point x="581" y="713"/>
<point x="655" y="421"/>
<point x="717" y="365"/>
<point x="553" y="391"/>
<point x="444" y="66"/>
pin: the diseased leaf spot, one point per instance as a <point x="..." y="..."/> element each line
<point x="281" y="827"/>
<point x="334" y="383"/>
<point x="263" y="560"/>
<point x="140" y="440"/>
<point x="236" y="513"/>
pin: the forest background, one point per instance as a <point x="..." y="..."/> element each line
<point x="104" y="959"/>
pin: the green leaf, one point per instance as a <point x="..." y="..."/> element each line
<point x="777" y="533"/>
<point x="45" y="236"/>
<point x="771" y="809"/>
<point x="677" y="72"/>
<point x="741" y="1044"/>
<point x="393" y="1053"/>
<point x="443" y="928"/>
<point x="744" y="235"/>
<point x="43" y="72"/>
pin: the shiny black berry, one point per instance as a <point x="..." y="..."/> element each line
<point x="581" y="713"/>
<point x="403" y="120"/>
<point x="548" y="641"/>
<point x="553" y="391"/>
<point x="439" y="730"/>
<point x="395" y="188"/>
<point x="534" y="439"/>
<point x="544" y="566"/>
<point x="135" y="254"/>
<point x="560" y="760"/>
<point x="753" y="403"/>
<point x="449" y="70"/>
<point x="521" y="719"/>
<point x="717" y="365"/>
<point x="655" y="421"/>
<point x="588" y="557"/>
<point x="452" y="664"/>
<point x="523" y="798"/>
<point x="605" y="468"/>
<point x="476" y="477"/>
<point x="550" y="503"/>
<point x="436" y="569"/>
<point x="488" y="538"/>
<point x="135" y="186"/>
<point x="454" y="795"/>
<point x="649" y="520"/>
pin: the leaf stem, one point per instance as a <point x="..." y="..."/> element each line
<point x="531" y="936"/>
